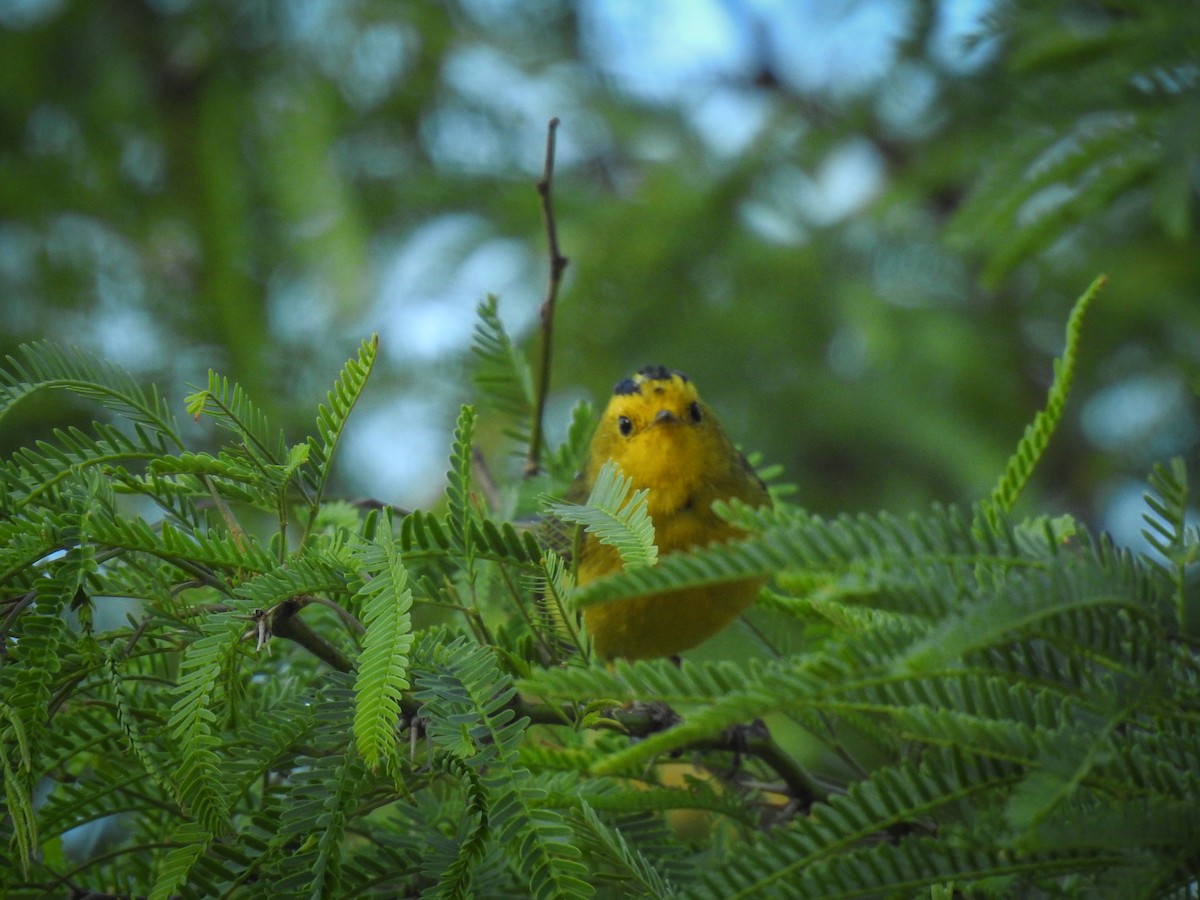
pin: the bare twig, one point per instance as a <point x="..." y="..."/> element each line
<point x="558" y="263"/>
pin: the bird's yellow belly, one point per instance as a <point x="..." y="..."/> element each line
<point x="667" y="623"/>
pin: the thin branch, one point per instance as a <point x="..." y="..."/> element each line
<point x="558" y="263"/>
<point x="758" y="742"/>
<point x="642" y="720"/>
<point x="352" y="624"/>
<point x="285" y="623"/>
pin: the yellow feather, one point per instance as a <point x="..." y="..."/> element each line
<point x="668" y="442"/>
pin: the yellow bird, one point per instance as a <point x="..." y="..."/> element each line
<point x="670" y="443"/>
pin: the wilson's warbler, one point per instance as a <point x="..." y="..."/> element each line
<point x="667" y="441"/>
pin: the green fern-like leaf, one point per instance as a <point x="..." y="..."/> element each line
<point x="33" y="474"/>
<point x="193" y="720"/>
<point x="550" y="861"/>
<point x="465" y="681"/>
<point x="1068" y="760"/>
<point x="382" y="667"/>
<point x="322" y="803"/>
<point x="226" y="403"/>
<point x="830" y="836"/>
<point x="110" y="787"/>
<point x="332" y="417"/>
<point x="176" y="866"/>
<point x="914" y="865"/>
<point x="311" y="571"/>
<point x="1111" y="112"/>
<point x="502" y="373"/>
<point x="465" y="706"/>
<point x="295" y="818"/>
<point x="454" y="880"/>
<point x="1166" y="531"/>
<point x="616" y="515"/>
<point x="425" y="537"/>
<point x="187" y="548"/>
<point x="1036" y="603"/>
<point x="462" y="516"/>
<point x="504" y="541"/>
<point x="1037" y="436"/>
<point x="48" y="366"/>
<point x="1108" y="823"/>
<point x="127" y="719"/>
<point x="877" y="550"/>
<point x="267" y="733"/>
<point x="27" y="677"/>
<point x="16" y="769"/>
<point x="1036" y="166"/>
<point x="568" y="458"/>
<point x="637" y="875"/>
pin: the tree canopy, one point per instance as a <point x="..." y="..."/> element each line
<point x="859" y="231"/>
<point x="274" y="617"/>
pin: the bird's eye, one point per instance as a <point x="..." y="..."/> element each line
<point x="624" y="425"/>
<point x="695" y="412"/>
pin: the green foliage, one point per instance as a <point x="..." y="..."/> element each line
<point x="1121" y="81"/>
<point x="501" y="372"/>
<point x="382" y="668"/>
<point x="49" y="367"/>
<point x="1037" y="435"/>
<point x="331" y="421"/>
<point x="383" y="707"/>
<point x="1167" y="532"/>
<point x="616" y="515"/>
<point x="217" y="681"/>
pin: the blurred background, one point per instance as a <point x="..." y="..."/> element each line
<point x="859" y="225"/>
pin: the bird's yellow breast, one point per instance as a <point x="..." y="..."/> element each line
<point x="670" y="444"/>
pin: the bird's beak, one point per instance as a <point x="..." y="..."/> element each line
<point x="666" y="417"/>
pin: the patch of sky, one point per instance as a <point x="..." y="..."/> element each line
<point x="842" y="48"/>
<point x="119" y="325"/>
<point x="961" y="41"/>
<point x="729" y="119"/>
<point x="788" y="202"/>
<point x="434" y="281"/>
<point x="848" y="178"/>
<point x="1148" y="418"/>
<point x="497" y="119"/>
<point x="916" y="273"/>
<point x="847" y="351"/>
<point x="170" y="7"/>
<point x="367" y="61"/>
<point x="299" y="306"/>
<point x="906" y="101"/>
<point x="512" y="17"/>
<point x="19" y="249"/>
<point x="378" y="151"/>
<point x="398" y="451"/>
<point x="1123" y="514"/>
<point x="768" y="218"/>
<point x="52" y="131"/>
<point x="27" y="13"/>
<point x="680" y="51"/>
<point x="143" y="163"/>
<point x="375" y="61"/>
<point x="666" y="50"/>
<point x="661" y="52"/>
